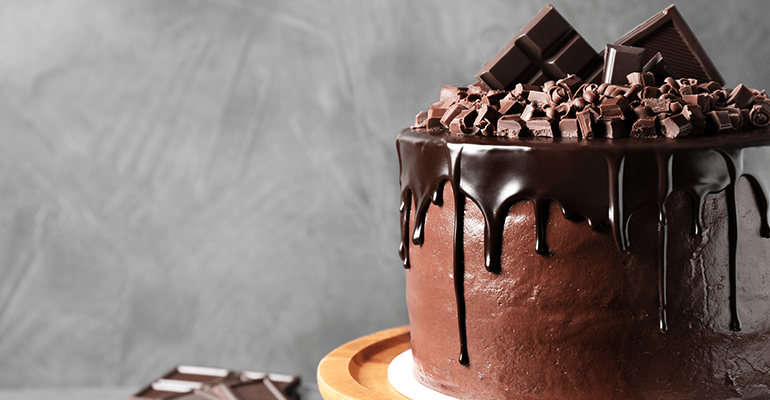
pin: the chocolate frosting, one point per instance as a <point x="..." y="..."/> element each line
<point x="603" y="181"/>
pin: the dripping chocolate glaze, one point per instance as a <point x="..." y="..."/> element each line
<point x="601" y="180"/>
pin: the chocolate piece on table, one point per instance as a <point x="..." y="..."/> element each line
<point x="259" y="389"/>
<point x="659" y="69"/>
<point x="644" y="128"/>
<point x="667" y="33"/>
<point x="741" y="96"/>
<point x="547" y="48"/>
<point x="619" y="61"/>
<point x="676" y="126"/>
<point x="569" y="127"/>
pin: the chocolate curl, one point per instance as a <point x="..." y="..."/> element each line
<point x="759" y="115"/>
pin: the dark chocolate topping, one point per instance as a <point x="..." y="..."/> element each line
<point x="667" y="33"/>
<point x="602" y="180"/>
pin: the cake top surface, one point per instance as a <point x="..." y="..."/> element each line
<point x="656" y="81"/>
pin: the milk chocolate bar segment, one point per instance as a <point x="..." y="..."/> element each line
<point x="547" y="48"/>
<point x="667" y="33"/>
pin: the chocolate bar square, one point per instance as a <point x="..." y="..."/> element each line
<point x="547" y="48"/>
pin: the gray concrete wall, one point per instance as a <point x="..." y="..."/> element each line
<point x="215" y="182"/>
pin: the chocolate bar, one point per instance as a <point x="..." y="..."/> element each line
<point x="547" y="48"/>
<point x="202" y="383"/>
<point x="668" y="34"/>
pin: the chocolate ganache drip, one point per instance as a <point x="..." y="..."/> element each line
<point x="602" y="180"/>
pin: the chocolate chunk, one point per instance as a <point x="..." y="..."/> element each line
<point x="541" y="126"/>
<point x="615" y="128"/>
<point x="538" y="99"/>
<point x="694" y="114"/>
<point x="644" y="128"/>
<point x="421" y="120"/>
<point x="619" y="61"/>
<point x="511" y="126"/>
<point x="718" y="121"/>
<point x="509" y="105"/>
<point x="667" y="33"/>
<point x="660" y="69"/>
<point x="586" y="119"/>
<point x="676" y="126"/>
<point x="452" y="93"/>
<point x="710" y="86"/>
<point x="614" y="108"/>
<point x="759" y="115"/>
<point x="741" y="96"/>
<point x="571" y="82"/>
<point x="434" y="117"/>
<point x="658" y="105"/>
<point x="650" y="92"/>
<point x="569" y="127"/>
<point x="641" y="78"/>
<point x="547" y="48"/>
<point x="528" y="113"/>
<point x="701" y="100"/>
<point x="488" y="113"/>
<point x="633" y="91"/>
<point x="451" y="113"/>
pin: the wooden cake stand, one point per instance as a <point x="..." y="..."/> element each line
<point x="358" y="370"/>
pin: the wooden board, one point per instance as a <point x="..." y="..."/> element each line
<point x="359" y="369"/>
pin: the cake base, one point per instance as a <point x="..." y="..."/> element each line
<point x="358" y="370"/>
<point x="401" y="378"/>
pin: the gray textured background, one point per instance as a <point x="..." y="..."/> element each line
<point x="215" y="182"/>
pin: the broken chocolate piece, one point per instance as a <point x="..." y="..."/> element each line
<point x="541" y="126"/>
<point x="421" y="120"/>
<point x="614" y="108"/>
<point x="694" y="114"/>
<point x="644" y="128"/>
<point x="667" y="33"/>
<point x="451" y="113"/>
<point x="718" y="121"/>
<point x="676" y="126"/>
<point x="547" y="48"/>
<point x="511" y="126"/>
<point x="615" y="128"/>
<point x="586" y="119"/>
<point x="658" y="105"/>
<point x="641" y="78"/>
<point x="659" y="69"/>
<point x="569" y="127"/>
<point x="619" y="61"/>
<point x="741" y="96"/>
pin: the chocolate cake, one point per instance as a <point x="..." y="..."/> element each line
<point x="573" y="229"/>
